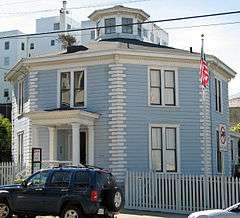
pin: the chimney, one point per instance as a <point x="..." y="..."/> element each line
<point x="63" y="13"/>
<point x="191" y="50"/>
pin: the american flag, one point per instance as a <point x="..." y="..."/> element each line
<point x="204" y="74"/>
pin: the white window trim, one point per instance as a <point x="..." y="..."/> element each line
<point x="71" y="70"/>
<point x="162" y="69"/>
<point x="19" y="151"/>
<point x="218" y="79"/>
<point x="20" y="112"/>
<point x="164" y="126"/>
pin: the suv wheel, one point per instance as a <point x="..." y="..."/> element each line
<point x="71" y="212"/>
<point x="114" y="200"/>
<point x="5" y="210"/>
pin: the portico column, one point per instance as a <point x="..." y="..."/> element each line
<point x="52" y="143"/>
<point x="75" y="143"/>
<point x="91" y="145"/>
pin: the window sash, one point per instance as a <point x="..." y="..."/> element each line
<point x="218" y="95"/>
<point x="78" y="88"/>
<point x="171" y="147"/>
<point x="219" y="155"/>
<point x="126" y="25"/>
<point x="110" y="25"/>
<point x="155" y="87"/>
<point x="20" y="150"/>
<point x="7" y="45"/>
<point x="20" y="97"/>
<point x="65" y="90"/>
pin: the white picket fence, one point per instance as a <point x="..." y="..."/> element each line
<point x="181" y="194"/>
<point x="7" y="173"/>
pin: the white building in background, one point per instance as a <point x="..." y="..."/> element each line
<point x="13" y="49"/>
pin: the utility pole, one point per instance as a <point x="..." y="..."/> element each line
<point x="63" y="13"/>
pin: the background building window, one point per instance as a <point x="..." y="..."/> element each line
<point x="218" y="95"/>
<point x="164" y="149"/>
<point x="110" y="25"/>
<point x="7" y="45"/>
<point x="6" y="93"/>
<point x="22" y="46"/>
<point x="145" y="32"/>
<point x="78" y="88"/>
<point x="65" y="89"/>
<point x="127" y="27"/>
<point x="56" y="26"/>
<point x="69" y="26"/>
<point x="6" y="61"/>
<point x="93" y="34"/>
<point x="31" y="45"/>
<point x="152" y="37"/>
<point x="52" y="42"/>
<point x="20" y="153"/>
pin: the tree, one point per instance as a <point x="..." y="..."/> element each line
<point x="67" y="40"/>
<point x="236" y="128"/>
<point x="5" y="139"/>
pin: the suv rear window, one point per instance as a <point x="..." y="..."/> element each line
<point x="82" y="178"/>
<point x="60" y="179"/>
<point x="105" y="179"/>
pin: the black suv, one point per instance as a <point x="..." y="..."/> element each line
<point x="65" y="192"/>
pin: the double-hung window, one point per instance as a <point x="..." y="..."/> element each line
<point x="218" y="95"/>
<point x="127" y="26"/>
<point x="219" y="155"/>
<point x="164" y="148"/>
<point x="20" y="96"/>
<point x="163" y="87"/>
<point x="20" y="150"/>
<point x="72" y="89"/>
<point x="110" y="25"/>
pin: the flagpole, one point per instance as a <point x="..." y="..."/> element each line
<point x="204" y="114"/>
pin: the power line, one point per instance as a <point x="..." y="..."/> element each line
<point x="71" y="8"/>
<point x="119" y="25"/>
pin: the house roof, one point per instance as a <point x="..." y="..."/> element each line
<point x="234" y="102"/>
<point x="118" y="9"/>
<point x="124" y="49"/>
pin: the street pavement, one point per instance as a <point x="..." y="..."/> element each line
<point x="143" y="214"/>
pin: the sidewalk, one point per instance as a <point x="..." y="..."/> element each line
<point x="146" y="214"/>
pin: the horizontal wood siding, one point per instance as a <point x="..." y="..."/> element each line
<point x="140" y="115"/>
<point x="97" y="101"/>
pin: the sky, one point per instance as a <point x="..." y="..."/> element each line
<point x="222" y="41"/>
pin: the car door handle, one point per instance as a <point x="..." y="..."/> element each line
<point x="64" y="190"/>
<point x="38" y="189"/>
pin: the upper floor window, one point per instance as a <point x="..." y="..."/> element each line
<point x="22" y="46"/>
<point x="110" y="25"/>
<point x="6" y="93"/>
<point x="163" y="87"/>
<point x="127" y="27"/>
<point x="145" y="32"/>
<point x="72" y="89"/>
<point x="20" y="96"/>
<point x="6" y="61"/>
<point x="92" y="34"/>
<point x="56" y="26"/>
<point x="218" y="95"/>
<point x="139" y="29"/>
<point x="52" y="42"/>
<point x="164" y="148"/>
<point x="31" y="45"/>
<point x="7" y="45"/>
<point x="69" y="26"/>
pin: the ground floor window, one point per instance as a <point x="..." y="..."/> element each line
<point x="164" y="148"/>
<point x="20" y="151"/>
<point x="219" y="155"/>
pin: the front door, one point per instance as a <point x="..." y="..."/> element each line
<point x="83" y="150"/>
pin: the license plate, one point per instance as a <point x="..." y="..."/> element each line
<point x="101" y="211"/>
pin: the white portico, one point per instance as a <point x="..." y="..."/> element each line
<point x="70" y="134"/>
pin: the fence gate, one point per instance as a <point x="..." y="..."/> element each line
<point x="7" y="173"/>
<point x="176" y="193"/>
